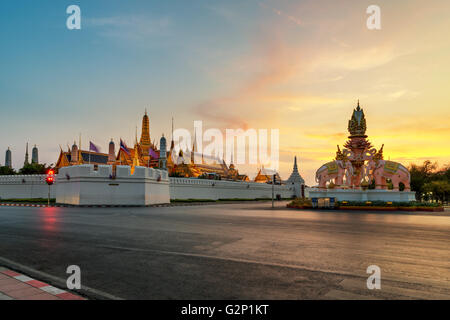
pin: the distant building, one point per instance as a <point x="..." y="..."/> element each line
<point x="146" y="154"/>
<point x="163" y="153"/>
<point x="143" y="154"/>
<point x="75" y="156"/>
<point x="35" y="155"/>
<point x="26" y="162"/>
<point x="112" y="153"/>
<point x="297" y="180"/>
<point x="295" y="176"/>
<point x="266" y="176"/>
<point x="8" y="161"/>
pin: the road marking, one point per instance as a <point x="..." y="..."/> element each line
<point x="23" y="278"/>
<point x="52" y="290"/>
<point x="412" y="293"/>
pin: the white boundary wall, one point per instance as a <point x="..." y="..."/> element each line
<point x="81" y="185"/>
<point x="25" y="187"/>
<point x="362" y="195"/>
<point x="191" y="188"/>
<point x="88" y="187"/>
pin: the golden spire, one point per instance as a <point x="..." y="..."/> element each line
<point x="145" y="136"/>
<point x="136" y="135"/>
<point x="172" y="144"/>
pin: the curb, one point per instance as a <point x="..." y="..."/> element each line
<point x="174" y="204"/>
<point x="59" y="293"/>
<point x="23" y="205"/>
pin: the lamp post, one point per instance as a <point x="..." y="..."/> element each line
<point x="273" y="191"/>
<point x="50" y="180"/>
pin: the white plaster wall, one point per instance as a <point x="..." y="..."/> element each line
<point x="81" y="185"/>
<point x="25" y="187"/>
<point x="361" y="195"/>
<point x="88" y="187"/>
<point x="190" y="188"/>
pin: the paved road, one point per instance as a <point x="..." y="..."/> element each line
<point x="233" y="251"/>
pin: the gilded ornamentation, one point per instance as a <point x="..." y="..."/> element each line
<point x="357" y="124"/>
<point x="359" y="162"/>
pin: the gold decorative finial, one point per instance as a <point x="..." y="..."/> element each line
<point x="379" y="154"/>
<point x="357" y="124"/>
<point x="339" y="154"/>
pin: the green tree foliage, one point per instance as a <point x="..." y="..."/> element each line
<point x="34" y="168"/>
<point x="420" y="175"/>
<point x="439" y="189"/>
<point x="430" y="182"/>
<point x="6" y="171"/>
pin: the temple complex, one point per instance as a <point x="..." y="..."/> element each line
<point x="145" y="153"/>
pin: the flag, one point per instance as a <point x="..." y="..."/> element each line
<point x="152" y="153"/>
<point x="124" y="147"/>
<point x="93" y="147"/>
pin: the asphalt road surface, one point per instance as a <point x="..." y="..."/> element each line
<point x="233" y="251"/>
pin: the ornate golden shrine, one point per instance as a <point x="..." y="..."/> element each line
<point x="145" y="153"/>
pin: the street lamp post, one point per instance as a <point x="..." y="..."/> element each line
<point x="273" y="191"/>
<point x="50" y="180"/>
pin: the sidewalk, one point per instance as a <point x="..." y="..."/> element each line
<point x="16" y="286"/>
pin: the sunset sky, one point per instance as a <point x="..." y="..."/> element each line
<point x="297" y="66"/>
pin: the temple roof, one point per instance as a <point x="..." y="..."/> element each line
<point x="94" y="157"/>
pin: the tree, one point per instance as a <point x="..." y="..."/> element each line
<point x="6" y="171"/>
<point x="440" y="189"/>
<point x="34" y="168"/>
<point x="420" y="175"/>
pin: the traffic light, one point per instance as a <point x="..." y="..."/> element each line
<point x="50" y="177"/>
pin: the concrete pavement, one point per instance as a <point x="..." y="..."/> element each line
<point x="233" y="251"/>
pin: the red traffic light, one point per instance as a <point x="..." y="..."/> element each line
<point x="50" y="177"/>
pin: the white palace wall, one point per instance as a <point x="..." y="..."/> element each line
<point x="81" y="185"/>
<point x="191" y="188"/>
<point x="24" y="187"/>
